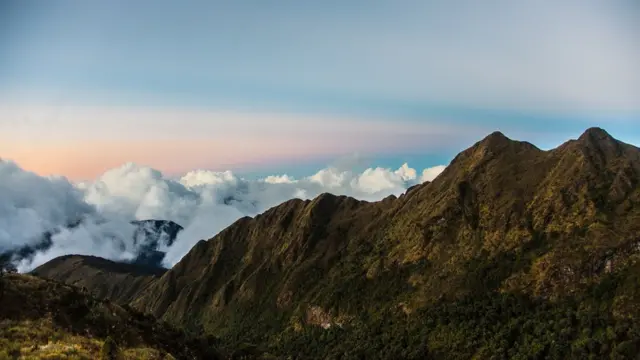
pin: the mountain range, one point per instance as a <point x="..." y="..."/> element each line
<point x="511" y="252"/>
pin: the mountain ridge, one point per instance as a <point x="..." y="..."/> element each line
<point x="478" y="162"/>
<point x="503" y="218"/>
<point x="119" y="282"/>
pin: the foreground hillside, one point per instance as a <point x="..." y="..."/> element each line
<point x="512" y="252"/>
<point x="41" y="319"/>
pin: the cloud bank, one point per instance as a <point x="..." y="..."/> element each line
<point x="203" y="202"/>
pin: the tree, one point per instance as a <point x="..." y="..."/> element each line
<point x="109" y="349"/>
<point x="6" y="267"/>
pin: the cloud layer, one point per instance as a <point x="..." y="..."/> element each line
<point x="202" y="201"/>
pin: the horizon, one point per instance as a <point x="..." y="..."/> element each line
<point x="353" y="162"/>
<point x="204" y="202"/>
<point x="278" y="88"/>
<point x="202" y="114"/>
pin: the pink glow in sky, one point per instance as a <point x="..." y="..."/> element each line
<point x="83" y="142"/>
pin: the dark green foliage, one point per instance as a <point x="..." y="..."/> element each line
<point x="109" y="349"/>
<point x="118" y="282"/>
<point x="6" y="267"/>
<point x="28" y="297"/>
<point x="493" y="327"/>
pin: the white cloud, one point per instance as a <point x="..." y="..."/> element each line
<point x="431" y="173"/>
<point x="203" y="202"/>
<point x="31" y="205"/>
<point x="111" y="239"/>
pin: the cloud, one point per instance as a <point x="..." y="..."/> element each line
<point x="203" y="202"/>
<point x="31" y="205"/>
<point x="111" y="239"/>
<point x="431" y="173"/>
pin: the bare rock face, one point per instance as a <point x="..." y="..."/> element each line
<point x="317" y="316"/>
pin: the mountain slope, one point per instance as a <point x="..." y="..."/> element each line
<point x="45" y="319"/>
<point x="503" y="216"/>
<point x="119" y="282"/>
<point x="505" y="227"/>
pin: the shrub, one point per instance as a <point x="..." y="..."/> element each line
<point x="110" y="350"/>
<point x="11" y="352"/>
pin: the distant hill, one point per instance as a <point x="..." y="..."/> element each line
<point x="512" y="252"/>
<point x="106" y="279"/>
<point x="153" y="235"/>
<point x="42" y="319"/>
<point x="150" y="236"/>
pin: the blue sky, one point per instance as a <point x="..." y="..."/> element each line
<point x="396" y="81"/>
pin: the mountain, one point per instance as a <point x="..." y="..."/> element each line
<point x="106" y="279"/>
<point x="511" y="252"/>
<point x="118" y="281"/>
<point x="150" y="236"/>
<point x="27" y="252"/>
<point x="43" y="319"/>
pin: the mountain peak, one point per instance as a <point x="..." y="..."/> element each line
<point x="495" y="146"/>
<point x="495" y="137"/>
<point x="596" y="138"/>
<point x="495" y="141"/>
<point x="595" y="133"/>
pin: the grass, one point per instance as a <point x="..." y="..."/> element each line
<point x="42" y="319"/>
<point x="40" y="339"/>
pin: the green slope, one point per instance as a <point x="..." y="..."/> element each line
<point x="511" y="252"/>
<point x="43" y="319"/>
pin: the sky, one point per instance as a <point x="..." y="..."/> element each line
<point x="291" y="86"/>
<point x="202" y="112"/>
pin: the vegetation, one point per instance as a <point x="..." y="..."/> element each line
<point x="7" y="268"/>
<point x="118" y="282"/>
<point x="511" y="253"/>
<point x="110" y="349"/>
<point x="43" y="339"/>
<point x="46" y="319"/>
<point x="497" y="326"/>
